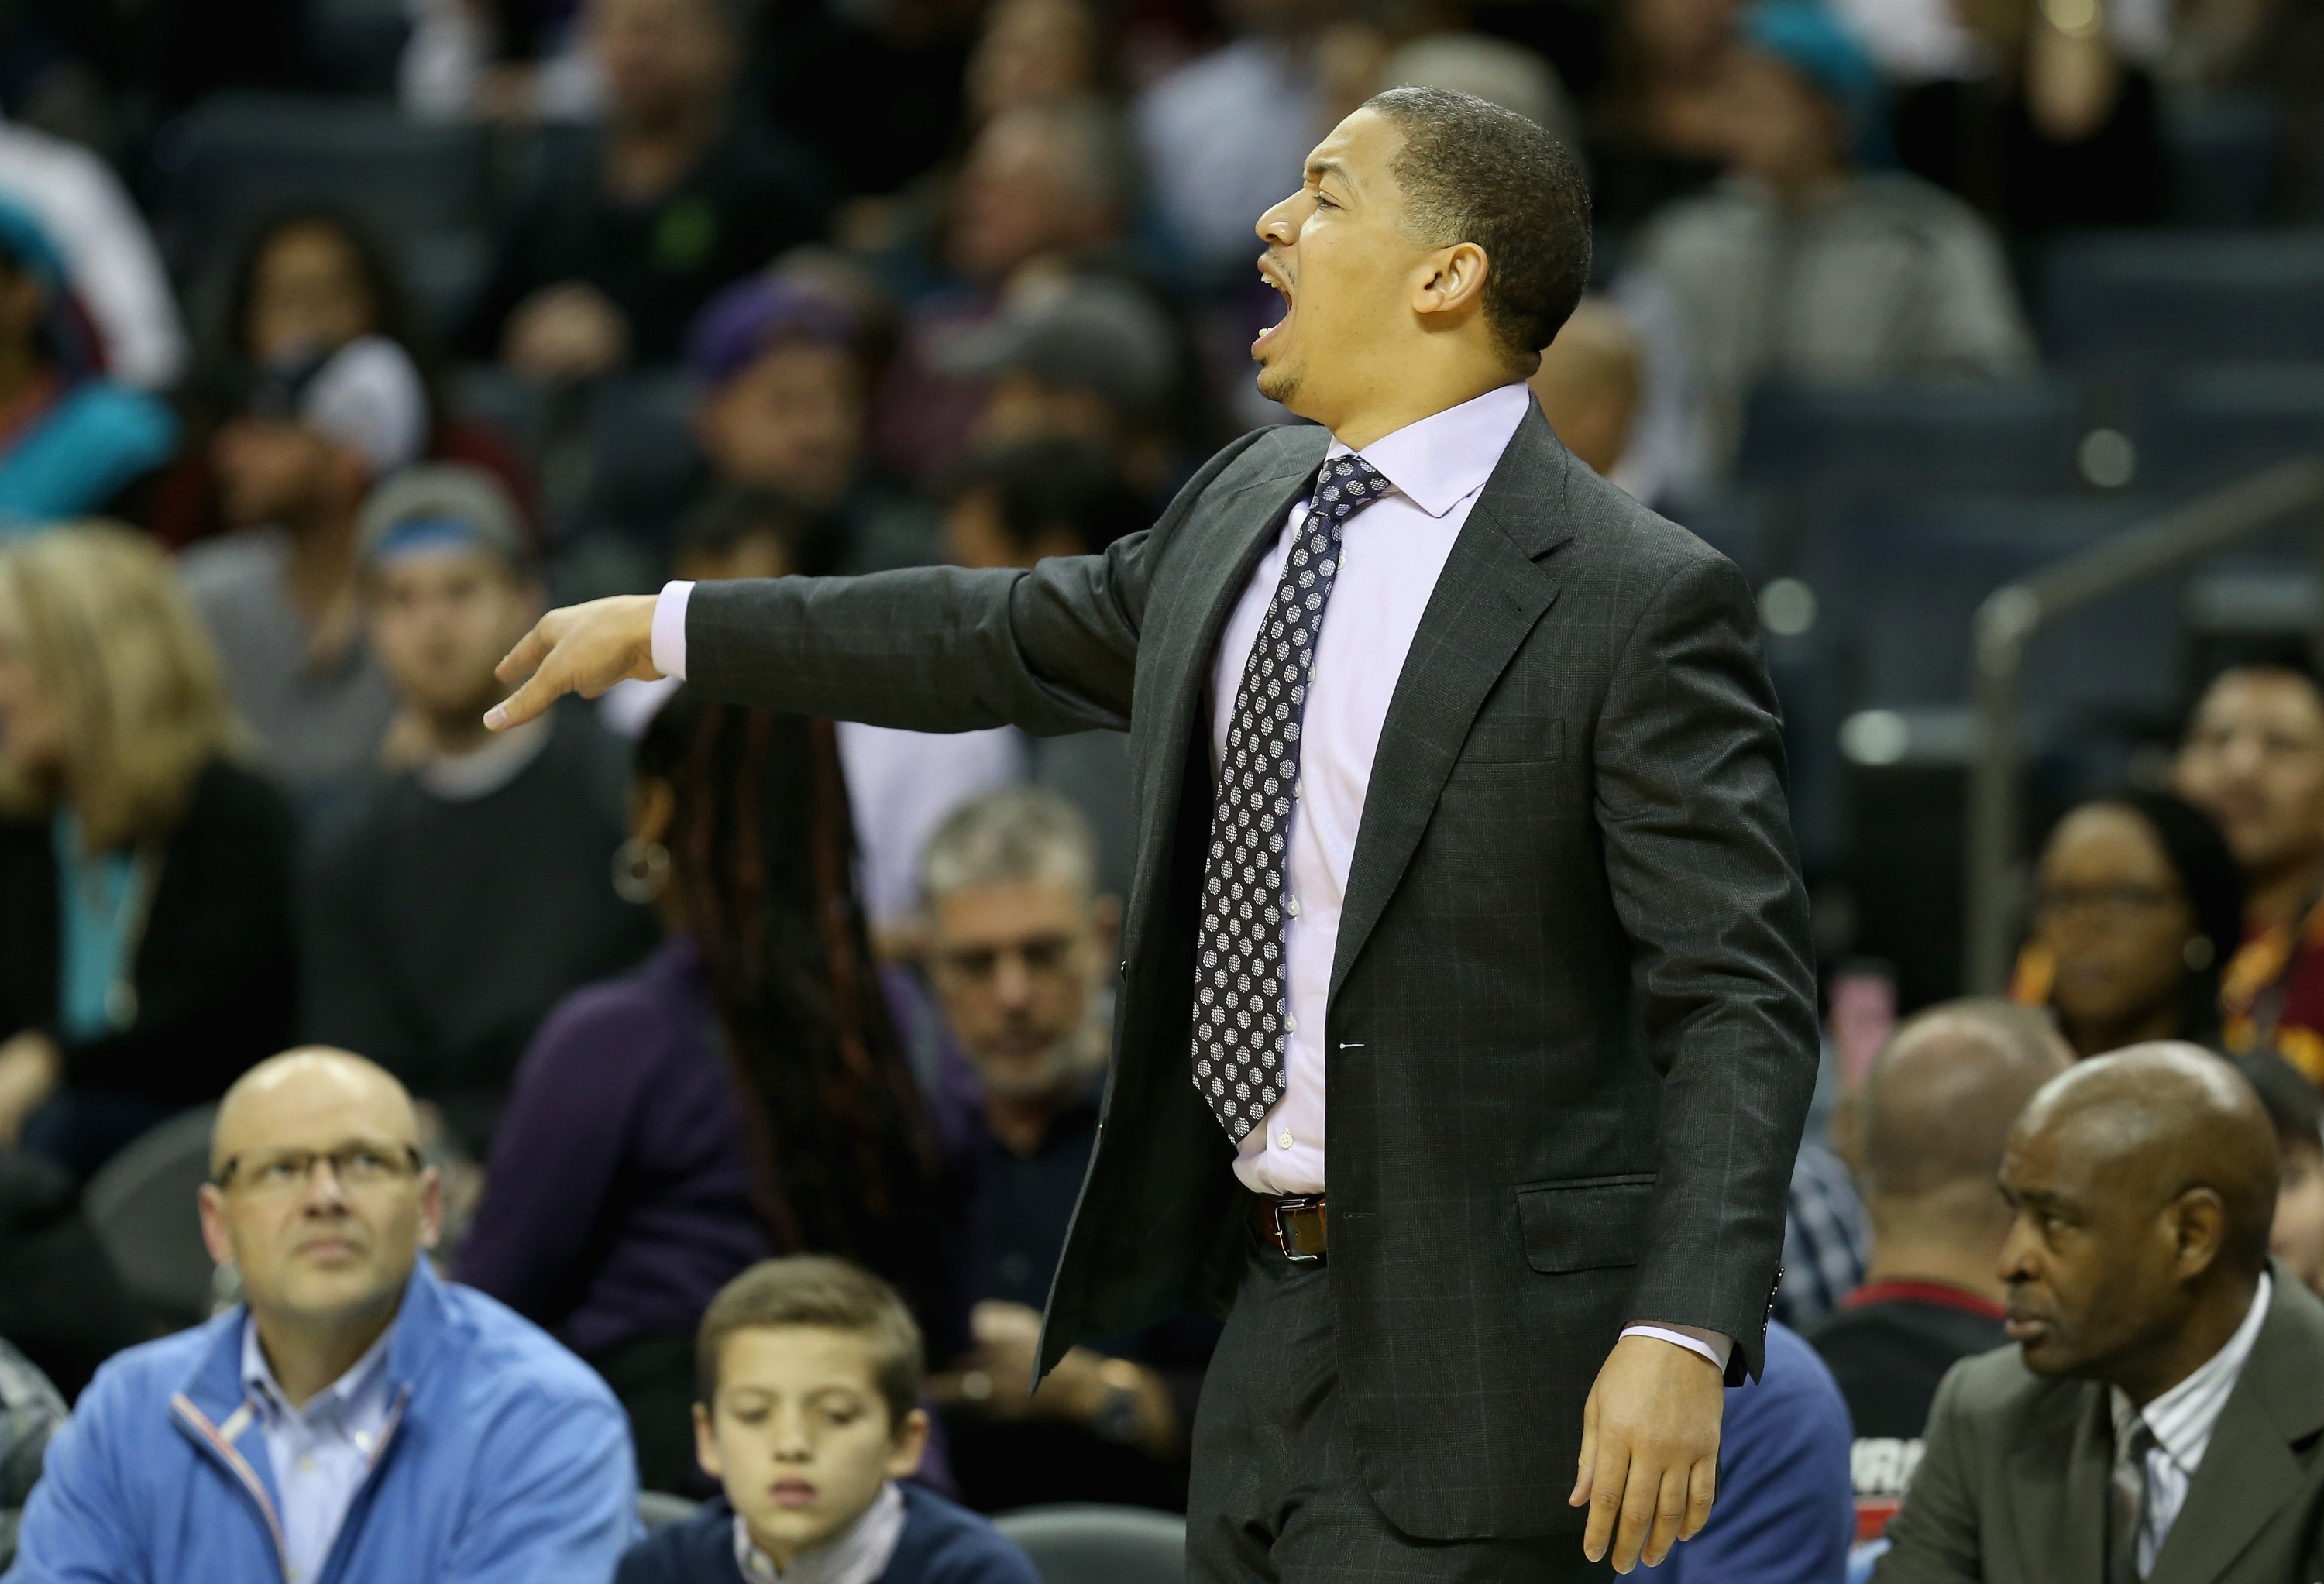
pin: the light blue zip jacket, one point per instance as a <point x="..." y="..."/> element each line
<point x="505" y="1461"/>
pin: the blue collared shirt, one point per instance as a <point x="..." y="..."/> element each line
<point x="320" y="1452"/>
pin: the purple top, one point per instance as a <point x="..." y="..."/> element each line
<point x="617" y="1201"/>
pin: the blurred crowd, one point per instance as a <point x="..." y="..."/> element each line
<point x="339" y="339"/>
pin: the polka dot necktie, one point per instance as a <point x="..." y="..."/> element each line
<point x="1239" y="1015"/>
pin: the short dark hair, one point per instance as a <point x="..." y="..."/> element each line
<point x="1473" y="171"/>
<point x="815" y="1290"/>
<point x="1052" y="482"/>
<point x="733" y="514"/>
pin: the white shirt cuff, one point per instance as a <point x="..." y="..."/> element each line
<point x="669" y="630"/>
<point x="1717" y="1351"/>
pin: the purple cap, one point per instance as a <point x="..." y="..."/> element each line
<point x="747" y="318"/>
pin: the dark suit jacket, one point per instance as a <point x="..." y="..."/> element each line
<point x="2013" y="1486"/>
<point x="1571" y="1029"/>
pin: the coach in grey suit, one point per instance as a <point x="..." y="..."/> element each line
<point x="1521" y="898"/>
<point x="2161" y="1416"/>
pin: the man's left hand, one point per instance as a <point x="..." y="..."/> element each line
<point x="1650" y="1463"/>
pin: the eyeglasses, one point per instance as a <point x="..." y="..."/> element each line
<point x="2115" y="902"/>
<point x="354" y="1167"/>
<point x="1044" y="956"/>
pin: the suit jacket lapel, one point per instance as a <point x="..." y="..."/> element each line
<point x="1486" y="599"/>
<point x="1222" y="546"/>
<point x="2249" y="1471"/>
<point x="2064" y="1530"/>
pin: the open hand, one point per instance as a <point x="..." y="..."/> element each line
<point x="1649" y="1464"/>
<point x="580" y="649"/>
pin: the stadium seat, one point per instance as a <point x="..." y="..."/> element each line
<point x="1094" y="1544"/>
<point x="221" y="167"/>
<point x="1905" y="575"/>
<point x="1956" y="435"/>
<point x="658" y="1509"/>
<point x="2208" y="426"/>
<point x="2150" y="299"/>
<point x="357" y="44"/>
<point x="2222" y="155"/>
<point x="141" y="1204"/>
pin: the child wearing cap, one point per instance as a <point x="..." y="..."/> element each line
<point x="808" y="1374"/>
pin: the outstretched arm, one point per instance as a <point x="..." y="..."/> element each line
<point x="931" y="648"/>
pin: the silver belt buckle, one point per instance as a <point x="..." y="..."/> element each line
<point x="1286" y="1241"/>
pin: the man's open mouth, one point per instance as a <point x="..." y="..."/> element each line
<point x="1274" y="277"/>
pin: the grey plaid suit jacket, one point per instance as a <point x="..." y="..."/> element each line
<point x="1571" y="1034"/>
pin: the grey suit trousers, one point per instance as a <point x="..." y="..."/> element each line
<point x="1276" y="1496"/>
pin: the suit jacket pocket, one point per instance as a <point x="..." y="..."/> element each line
<point x="1521" y="741"/>
<point x="1586" y="1223"/>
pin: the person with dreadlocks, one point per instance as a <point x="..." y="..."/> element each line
<point x="749" y="1091"/>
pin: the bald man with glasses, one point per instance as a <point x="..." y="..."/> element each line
<point x="356" y="1418"/>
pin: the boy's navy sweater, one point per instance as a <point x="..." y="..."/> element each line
<point x="942" y="1543"/>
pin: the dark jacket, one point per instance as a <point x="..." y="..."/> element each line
<point x="61" y="1303"/>
<point x="439" y="932"/>
<point x="941" y="1545"/>
<point x="217" y="974"/>
<point x="1571" y="1028"/>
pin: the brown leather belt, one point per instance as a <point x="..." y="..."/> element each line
<point x="1292" y="1224"/>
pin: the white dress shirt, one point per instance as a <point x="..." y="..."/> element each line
<point x="2182" y="1420"/>
<point x="320" y="1452"/>
<point x="857" y="1554"/>
<point x="1392" y="553"/>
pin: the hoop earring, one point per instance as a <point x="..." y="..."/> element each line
<point x="641" y="870"/>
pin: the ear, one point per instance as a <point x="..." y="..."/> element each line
<point x="705" y="1444"/>
<point x="1450" y="283"/>
<point x="910" y="1445"/>
<point x="216" y="1237"/>
<point x="2199" y="1226"/>
<point x="431" y="1207"/>
<point x="1105" y="916"/>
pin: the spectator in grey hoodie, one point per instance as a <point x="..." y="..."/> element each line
<point x="1801" y="267"/>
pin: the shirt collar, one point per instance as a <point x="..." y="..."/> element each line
<point x="462" y="778"/>
<point x="2183" y="1417"/>
<point x="1445" y="457"/>
<point x="857" y="1554"/>
<point x="363" y="1381"/>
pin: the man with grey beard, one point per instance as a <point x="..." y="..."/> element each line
<point x="1020" y="949"/>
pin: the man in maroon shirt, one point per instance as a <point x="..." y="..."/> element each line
<point x="1932" y="1120"/>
